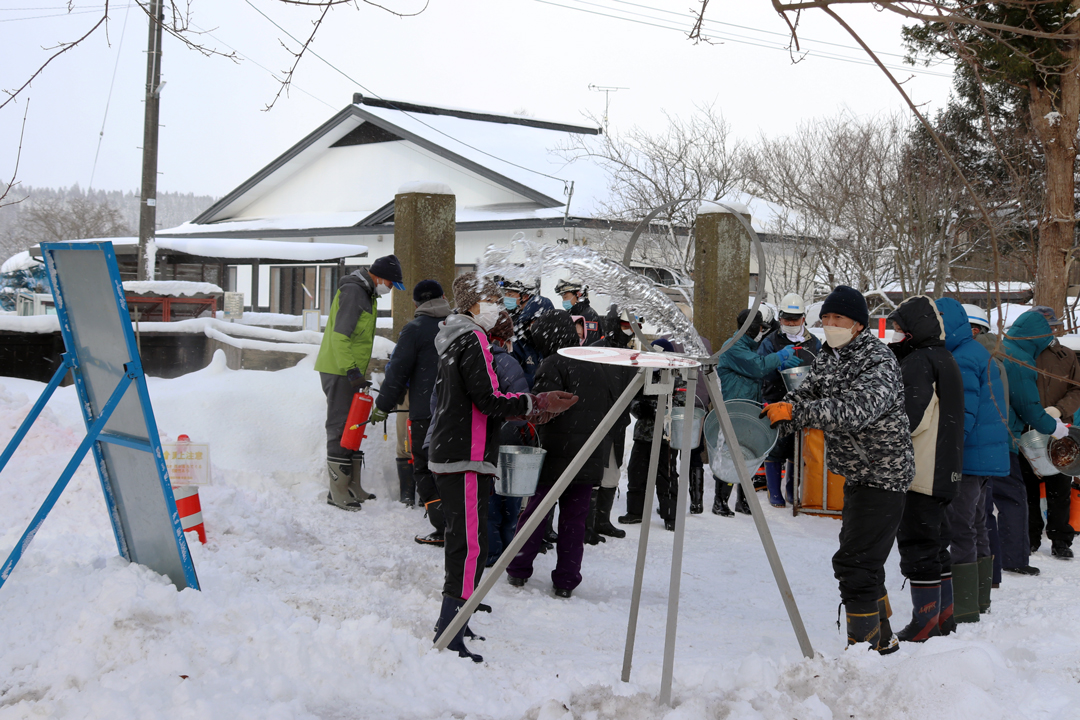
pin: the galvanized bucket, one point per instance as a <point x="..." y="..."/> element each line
<point x="519" y="470"/>
<point x="678" y="421"/>
<point x="1036" y="448"/>
<point x="794" y="377"/>
<point x="755" y="438"/>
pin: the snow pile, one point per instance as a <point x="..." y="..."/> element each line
<point x="19" y="261"/>
<point x="425" y="188"/>
<point x="727" y="208"/>
<point x="310" y="612"/>
<point x="170" y="288"/>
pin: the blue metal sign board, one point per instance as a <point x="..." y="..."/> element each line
<point x="103" y="358"/>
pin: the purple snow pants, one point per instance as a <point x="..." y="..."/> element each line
<point x="573" y="511"/>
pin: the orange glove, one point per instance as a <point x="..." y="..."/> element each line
<point x="777" y="412"/>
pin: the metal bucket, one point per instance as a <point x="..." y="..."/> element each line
<point x="1036" y="448"/>
<point x="678" y="421"/>
<point x="755" y="438"/>
<point x="519" y="470"/>
<point x="794" y="377"/>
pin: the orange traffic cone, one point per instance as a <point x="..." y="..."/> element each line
<point x="187" y="504"/>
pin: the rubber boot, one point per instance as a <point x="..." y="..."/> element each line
<point x="965" y="582"/>
<point x="772" y="481"/>
<point x="863" y="623"/>
<point x="697" y="490"/>
<point x="355" y="487"/>
<point x="946" y="621"/>
<point x="340" y="496"/>
<point x="887" y="642"/>
<point x="591" y="536"/>
<point x="741" y="505"/>
<point x="789" y="482"/>
<point x="605" y="498"/>
<point x="986" y="580"/>
<point x="406" y="482"/>
<point x="723" y="492"/>
<point x="926" y="604"/>
<point x="450" y="606"/>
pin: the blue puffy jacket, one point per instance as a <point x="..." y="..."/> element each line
<point x="1027" y="337"/>
<point x="986" y="430"/>
<point x="741" y="369"/>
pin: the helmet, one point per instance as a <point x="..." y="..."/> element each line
<point x="791" y="307"/>
<point x="513" y="286"/>
<point x="976" y="316"/>
<point x="565" y="286"/>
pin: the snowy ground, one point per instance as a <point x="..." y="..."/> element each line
<point x="310" y="612"/>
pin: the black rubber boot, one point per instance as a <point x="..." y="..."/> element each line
<point x="591" y="536"/>
<point x="946" y="619"/>
<point x="723" y="492"/>
<point x="354" y="482"/>
<point x="435" y="538"/>
<point x="926" y="602"/>
<point x="741" y="505"/>
<point x="450" y="606"/>
<point x="986" y="580"/>
<point x="406" y="482"/>
<point x="697" y="490"/>
<point x="773" y="471"/>
<point x="887" y="642"/>
<point x="863" y="624"/>
<point x="605" y="498"/>
<point x="340" y="496"/>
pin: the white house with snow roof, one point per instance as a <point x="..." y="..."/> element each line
<point x="337" y="186"/>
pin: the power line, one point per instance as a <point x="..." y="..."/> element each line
<point x="108" y="101"/>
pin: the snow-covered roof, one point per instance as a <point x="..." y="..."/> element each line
<point x="19" y="261"/>
<point x="170" y="288"/>
<point x="239" y="248"/>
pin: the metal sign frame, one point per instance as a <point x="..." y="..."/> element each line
<point x="146" y="525"/>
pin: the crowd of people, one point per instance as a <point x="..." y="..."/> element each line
<point x="924" y="431"/>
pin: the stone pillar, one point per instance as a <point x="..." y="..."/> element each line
<point x="424" y="240"/>
<point x="721" y="271"/>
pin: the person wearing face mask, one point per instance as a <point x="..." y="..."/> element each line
<point x="934" y="402"/>
<point x="524" y="305"/>
<point x="741" y="370"/>
<point x="854" y="392"/>
<point x="342" y="362"/>
<point x="575" y="300"/>
<point x="791" y="332"/>
<point x="463" y="443"/>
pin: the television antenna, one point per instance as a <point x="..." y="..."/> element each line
<point x="607" y="90"/>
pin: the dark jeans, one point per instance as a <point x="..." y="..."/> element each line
<point x="570" y="547"/>
<point x="339" y="396"/>
<point x="427" y="491"/>
<point x="867" y="532"/>
<point x="923" y="538"/>
<point x="1010" y="499"/>
<point x="502" y="523"/>
<point x="637" y="477"/>
<point x="1058" y="499"/>
<point x="465" y="505"/>
<point x="965" y="520"/>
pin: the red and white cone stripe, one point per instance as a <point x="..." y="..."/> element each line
<point x="187" y="504"/>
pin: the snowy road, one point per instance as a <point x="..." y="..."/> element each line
<point x="310" y="612"/>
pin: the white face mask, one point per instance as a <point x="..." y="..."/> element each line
<point x="793" y="331"/>
<point x="382" y="289"/>
<point x="488" y="315"/>
<point x="760" y="335"/>
<point x="838" y="337"/>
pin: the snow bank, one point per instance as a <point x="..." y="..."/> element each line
<point x="310" y="612"/>
<point x="19" y="261"/>
<point x="425" y="188"/>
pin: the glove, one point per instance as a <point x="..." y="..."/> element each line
<point x="787" y="358"/>
<point x="793" y="361"/>
<point x="777" y="412"/>
<point x="356" y="379"/>
<point x="377" y="416"/>
<point x="1060" y="431"/>
<point x="1053" y="412"/>
<point x="554" y="401"/>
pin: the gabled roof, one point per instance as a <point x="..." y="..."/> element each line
<point x="515" y="153"/>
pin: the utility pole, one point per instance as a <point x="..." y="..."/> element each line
<point x="607" y="90"/>
<point x="148" y="199"/>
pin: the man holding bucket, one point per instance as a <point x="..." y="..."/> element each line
<point x="855" y="394"/>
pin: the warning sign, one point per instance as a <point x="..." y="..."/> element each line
<point x="188" y="463"/>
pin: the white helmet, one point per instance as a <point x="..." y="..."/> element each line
<point x="792" y="304"/>
<point x="976" y="316"/>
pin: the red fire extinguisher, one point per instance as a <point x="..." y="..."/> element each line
<point x="355" y="424"/>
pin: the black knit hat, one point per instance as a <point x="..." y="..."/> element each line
<point x="849" y="302"/>
<point x="426" y="290"/>
<point x="388" y="268"/>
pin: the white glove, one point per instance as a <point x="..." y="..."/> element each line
<point x="1053" y="412"/>
<point x="1060" y="431"/>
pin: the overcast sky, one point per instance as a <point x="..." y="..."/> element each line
<point x="494" y="55"/>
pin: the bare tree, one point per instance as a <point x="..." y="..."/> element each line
<point x="56" y="220"/>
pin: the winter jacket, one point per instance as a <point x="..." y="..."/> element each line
<point x="990" y="342"/>
<point x="856" y="396"/>
<point x="415" y="362"/>
<point x="643" y="407"/>
<point x="523" y="349"/>
<point x="567" y="433"/>
<point x="585" y="310"/>
<point x="511" y="376"/>
<point x="1023" y="342"/>
<point x="773" y="387"/>
<point x="933" y="398"/>
<point x="1060" y="361"/>
<point x="986" y="429"/>
<point x="741" y="370"/>
<point x="470" y="408"/>
<point x="350" y="329"/>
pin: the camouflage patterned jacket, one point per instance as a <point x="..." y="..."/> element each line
<point x="856" y="395"/>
